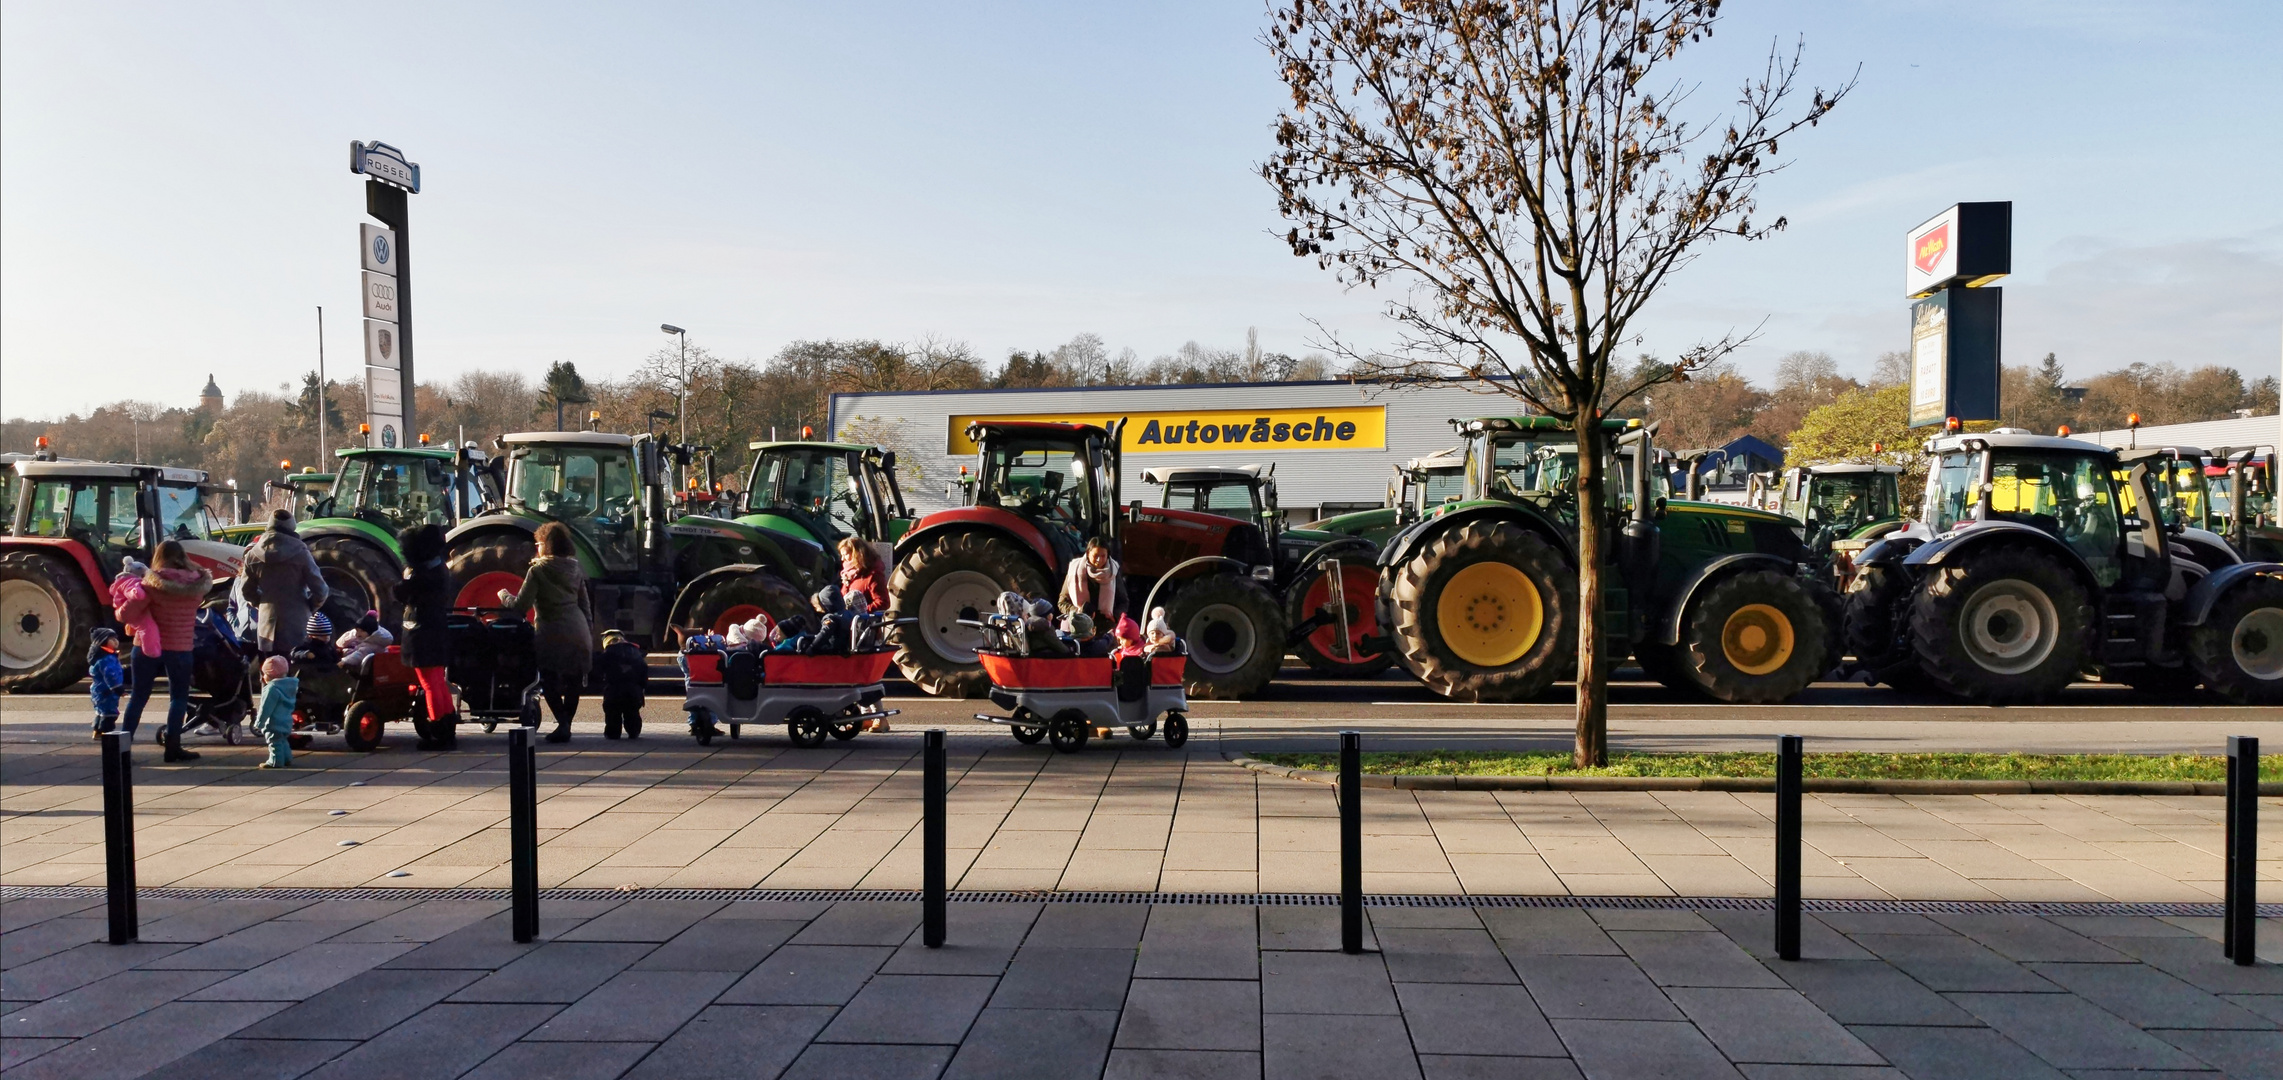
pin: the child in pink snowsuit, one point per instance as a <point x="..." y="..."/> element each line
<point x="125" y="589"/>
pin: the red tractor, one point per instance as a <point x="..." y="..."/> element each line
<point x="72" y="526"/>
<point x="1040" y="491"/>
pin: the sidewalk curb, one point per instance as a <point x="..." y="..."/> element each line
<point x="1757" y="783"/>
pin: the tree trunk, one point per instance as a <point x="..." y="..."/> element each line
<point x="1592" y="536"/>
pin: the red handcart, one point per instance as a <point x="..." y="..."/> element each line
<point x="812" y="695"/>
<point x="1065" y="698"/>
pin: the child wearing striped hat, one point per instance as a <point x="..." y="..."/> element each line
<point x="318" y="653"/>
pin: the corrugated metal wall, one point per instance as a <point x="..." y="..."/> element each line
<point x="917" y="427"/>
<point x="2237" y="432"/>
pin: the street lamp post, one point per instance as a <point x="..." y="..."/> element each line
<point x="682" y="407"/>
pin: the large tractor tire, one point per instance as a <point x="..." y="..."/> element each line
<point x="1874" y="628"/>
<point x="1486" y="611"/>
<point x="946" y="579"/>
<point x="2002" y="626"/>
<point x="2239" y="649"/>
<point x="1359" y="585"/>
<point x="491" y="563"/>
<point x="1753" y="638"/>
<point x="727" y="601"/>
<point x="359" y="576"/>
<point x="46" y="611"/>
<point x="1234" y="629"/>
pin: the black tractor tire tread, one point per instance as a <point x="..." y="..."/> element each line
<point x="1015" y="570"/>
<point x="761" y="588"/>
<point x="1704" y="664"/>
<point x="509" y="553"/>
<point x="373" y="568"/>
<point x="82" y="614"/>
<point x="1873" y="625"/>
<point x="1935" y="618"/>
<point x="1408" y="607"/>
<point x="1267" y="615"/>
<point x="2210" y="646"/>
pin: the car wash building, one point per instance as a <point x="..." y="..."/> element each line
<point x="1334" y="444"/>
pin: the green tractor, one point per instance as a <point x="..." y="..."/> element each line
<point x="651" y="573"/>
<point x="1480" y="599"/>
<point x="1420" y="484"/>
<point x="350" y="518"/>
<point x="1845" y="508"/>
<point x="2243" y="496"/>
<point x="826" y="491"/>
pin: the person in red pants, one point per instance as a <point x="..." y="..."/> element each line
<point x="426" y="593"/>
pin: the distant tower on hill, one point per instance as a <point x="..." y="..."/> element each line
<point x="210" y="399"/>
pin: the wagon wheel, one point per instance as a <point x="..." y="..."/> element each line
<point x="1069" y="731"/>
<point x="701" y="725"/>
<point x="1176" y="730"/>
<point x="845" y="730"/>
<point x="1027" y="734"/>
<point x="1142" y="732"/>
<point x="807" y="727"/>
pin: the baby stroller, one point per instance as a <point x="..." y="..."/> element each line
<point x="813" y="695"/>
<point x="220" y="684"/>
<point x="495" y="666"/>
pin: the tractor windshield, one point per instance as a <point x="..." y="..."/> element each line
<point x="2071" y="496"/>
<point x="811" y="480"/>
<point x="182" y="512"/>
<point x="1041" y="479"/>
<point x="1846" y="501"/>
<point x="396" y="492"/>
<point x="1220" y="496"/>
<point x="589" y="488"/>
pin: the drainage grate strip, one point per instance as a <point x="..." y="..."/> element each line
<point x="1387" y="900"/>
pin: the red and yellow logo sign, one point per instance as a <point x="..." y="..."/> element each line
<point x="1927" y="249"/>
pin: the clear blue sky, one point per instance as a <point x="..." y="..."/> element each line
<point x="177" y="200"/>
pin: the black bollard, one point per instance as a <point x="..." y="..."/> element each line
<point x="523" y="832"/>
<point x="2239" y="919"/>
<point x="1789" y="767"/>
<point x="932" y="863"/>
<point x="119" y="836"/>
<point x="1351" y="842"/>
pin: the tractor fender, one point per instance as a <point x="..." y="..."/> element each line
<point x="351" y="527"/>
<point x="492" y="523"/>
<point x="1403" y="545"/>
<point x="1331" y="548"/>
<point x="797" y="559"/>
<point x="980" y="519"/>
<point x="74" y="552"/>
<point x="1888" y="551"/>
<point x="2198" y="605"/>
<point x="1938" y="551"/>
<point x="1669" y="622"/>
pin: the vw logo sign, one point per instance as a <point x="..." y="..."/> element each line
<point x="380" y="249"/>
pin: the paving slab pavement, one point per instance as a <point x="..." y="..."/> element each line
<point x="1133" y="990"/>
<point x="661" y="812"/>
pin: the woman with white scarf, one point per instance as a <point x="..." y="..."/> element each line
<point x="1091" y="585"/>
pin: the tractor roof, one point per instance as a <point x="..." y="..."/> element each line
<point x="1195" y="473"/>
<point x="1042" y="427"/>
<point x="1536" y="423"/>
<point x="108" y="470"/>
<point x="1854" y="469"/>
<point x="1451" y="457"/>
<point x="2177" y="448"/>
<point x="795" y="444"/>
<point x="566" y="438"/>
<point x="437" y="452"/>
<point x="1997" y="440"/>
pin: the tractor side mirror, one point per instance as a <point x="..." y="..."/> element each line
<point x="1134" y="510"/>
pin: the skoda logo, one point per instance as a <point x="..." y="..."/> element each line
<point x="380" y="250"/>
<point x="388" y="436"/>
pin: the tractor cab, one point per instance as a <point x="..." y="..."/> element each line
<point x="2182" y="498"/>
<point x="394" y="489"/>
<point x="115" y="511"/>
<point x="1533" y="460"/>
<point x="2060" y="487"/>
<point x="590" y="481"/>
<point x="308" y="493"/>
<point x="826" y="491"/>
<point x="2242" y="488"/>
<point x="1062" y="478"/>
<point x="1843" y="507"/>
<point x="1240" y="492"/>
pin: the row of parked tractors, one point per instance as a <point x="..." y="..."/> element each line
<point x="2033" y="561"/>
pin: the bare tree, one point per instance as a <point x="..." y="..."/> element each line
<point x="1521" y="166"/>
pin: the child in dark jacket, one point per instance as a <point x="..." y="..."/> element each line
<point x="625" y="679"/>
<point x="105" y="677"/>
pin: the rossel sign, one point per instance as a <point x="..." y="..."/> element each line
<point x="1355" y="427"/>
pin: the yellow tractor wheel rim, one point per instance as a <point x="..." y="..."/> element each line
<point x="1490" y="614"/>
<point x="1757" y="639"/>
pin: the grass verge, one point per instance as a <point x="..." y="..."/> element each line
<point x="1847" y="766"/>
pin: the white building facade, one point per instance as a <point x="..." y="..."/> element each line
<point x="1334" y="444"/>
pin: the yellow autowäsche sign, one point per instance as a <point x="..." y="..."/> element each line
<point x="1356" y="427"/>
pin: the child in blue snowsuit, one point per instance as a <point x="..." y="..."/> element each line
<point x="274" y="718"/>
<point x="105" y="677"/>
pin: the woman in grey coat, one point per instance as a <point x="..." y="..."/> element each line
<point x="562" y="621"/>
<point x="282" y="579"/>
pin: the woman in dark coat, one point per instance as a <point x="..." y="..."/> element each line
<point x="426" y="593"/>
<point x="562" y="620"/>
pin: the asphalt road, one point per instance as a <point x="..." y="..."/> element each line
<point x="1305" y="712"/>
